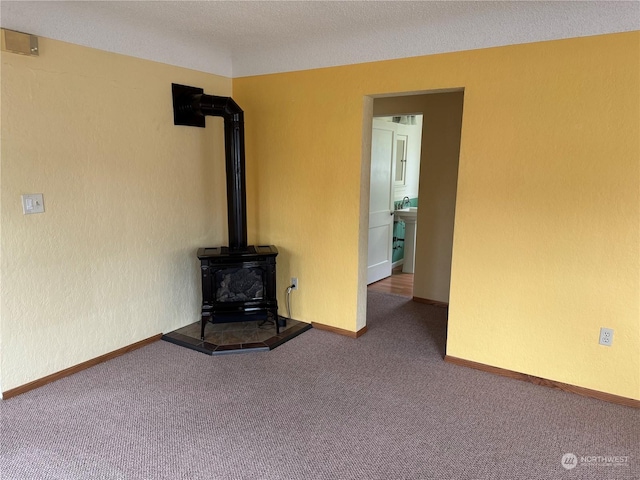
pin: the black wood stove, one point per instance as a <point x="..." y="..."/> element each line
<point x="238" y="281"/>
<point x="238" y="286"/>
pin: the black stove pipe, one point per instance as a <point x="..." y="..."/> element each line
<point x="190" y="106"/>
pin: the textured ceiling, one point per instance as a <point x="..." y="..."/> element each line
<point x="239" y="38"/>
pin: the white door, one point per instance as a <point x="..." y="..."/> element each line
<point x="380" y="255"/>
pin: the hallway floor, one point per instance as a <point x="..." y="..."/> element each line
<point x="398" y="283"/>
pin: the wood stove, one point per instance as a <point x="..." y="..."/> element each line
<point x="238" y="281"/>
<point x="238" y="286"/>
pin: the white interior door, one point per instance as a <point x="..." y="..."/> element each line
<point x="380" y="255"/>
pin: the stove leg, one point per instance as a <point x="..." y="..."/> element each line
<point x="280" y="322"/>
<point x="203" y="323"/>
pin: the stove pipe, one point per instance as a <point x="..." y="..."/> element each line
<point x="190" y="106"/>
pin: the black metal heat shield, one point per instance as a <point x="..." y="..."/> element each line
<point x="183" y="112"/>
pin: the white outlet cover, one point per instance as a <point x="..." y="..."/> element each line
<point x="606" y="336"/>
<point x="32" y="203"/>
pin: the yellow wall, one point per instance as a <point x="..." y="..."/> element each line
<point x="546" y="238"/>
<point x="547" y="216"/>
<point x="129" y="197"/>
<point x="303" y="137"/>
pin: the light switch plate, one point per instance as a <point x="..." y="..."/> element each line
<point x="32" y="203"/>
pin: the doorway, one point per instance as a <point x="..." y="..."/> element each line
<point x="393" y="196"/>
<point x="441" y="135"/>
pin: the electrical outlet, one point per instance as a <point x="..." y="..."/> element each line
<point x="606" y="336"/>
<point x="294" y="283"/>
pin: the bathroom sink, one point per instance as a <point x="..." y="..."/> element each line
<point x="410" y="218"/>
<point x="410" y="213"/>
